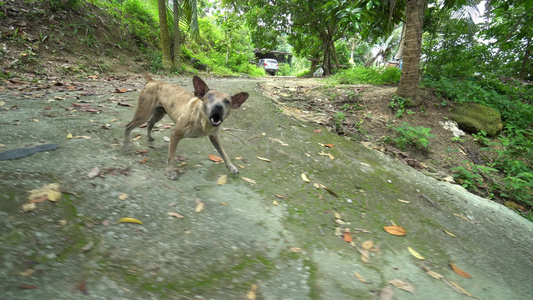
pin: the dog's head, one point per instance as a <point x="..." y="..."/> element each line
<point x="217" y="105"/>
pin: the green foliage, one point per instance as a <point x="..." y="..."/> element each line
<point x="408" y="135"/>
<point x="472" y="176"/>
<point x="512" y="151"/>
<point x="513" y="102"/>
<point x="378" y="76"/>
<point x="399" y="104"/>
<point x="284" y="70"/>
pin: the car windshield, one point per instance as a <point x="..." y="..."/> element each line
<point x="271" y="61"/>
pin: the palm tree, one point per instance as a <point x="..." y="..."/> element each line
<point x="163" y="32"/>
<point x="409" y="80"/>
<point x="185" y="15"/>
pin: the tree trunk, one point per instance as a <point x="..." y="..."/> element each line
<point x="414" y="16"/>
<point x="177" y="35"/>
<point x="163" y="32"/>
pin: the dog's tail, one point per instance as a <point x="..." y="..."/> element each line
<point x="143" y="73"/>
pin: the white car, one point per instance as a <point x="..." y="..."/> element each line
<point x="270" y="65"/>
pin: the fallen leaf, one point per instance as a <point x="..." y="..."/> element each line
<point x="27" y="273"/>
<point x="175" y="214"/>
<point x="304" y="178"/>
<point x="62" y="222"/>
<point x="143" y="160"/>
<point x="222" y="179"/>
<point x="124" y="104"/>
<point x="264" y="159"/>
<point x="136" y="137"/>
<point x="514" y="205"/>
<point x="449" y="233"/>
<point x="249" y="180"/>
<point x="432" y="273"/>
<point x="280" y="196"/>
<point x="26" y="286"/>
<point x="395" y="230"/>
<point x="51" y="191"/>
<point x="199" y="206"/>
<point x="69" y="135"/>
<point x="295" y="249"/>
<point x="251" y="293"/>
<point x="327" y="154"/>
<point x="129" y="220"/>
<point x="82" y="286"/>
<point x="347" y="237"/>
<point x="40" y="199"/>
<point x="404" y="285"/>
<point x="360" y="277"/>
<point x="365" y="255"/>
<point x="367" y="245"/>
<point x="386" y="293"/>
<point x="462" y="217"/>
<point x="121" y="90"/>
<point x="82" y="137"/>
<point x="275" y="202"/>
<point x="317" y="130"/>
<point x="215" y="158"/>
<point x="459" y="271"/>
<point x="329" y="145"/>
<point x="404" y="201"/>
<point x="123" y="196"/>
<point x="458" y="288"/>
<point x="415" y="254"/>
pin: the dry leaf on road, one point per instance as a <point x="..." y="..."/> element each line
<point x="395" y="230"/>
<point x="347" y="237"/>
<point x="252" y="293"/>
<point x="215" y="158"/>
<point x="304" y="178"/>
<point x="175" y="214"/>
<point x="129" y="220"/>
<point x="432" y="273"/>
<point x="458" y="288"/>
<point x="415" y="254"/>
<point x="248" y="180"/>
<point x="459" y="271"/>
<point x="368" y="245"/>
<point x="403" y="284"/>
<point x="199" y="206"/>
<point x="222" y="179"/>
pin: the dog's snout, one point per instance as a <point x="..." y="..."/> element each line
<point x="216" y="114"/>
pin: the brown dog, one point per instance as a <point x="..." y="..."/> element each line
<point x="194" y="116"/>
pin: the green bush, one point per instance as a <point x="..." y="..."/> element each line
<point x="417" y="137"/>
<point x="378" y="76"/>
<point x="512" y="151"/>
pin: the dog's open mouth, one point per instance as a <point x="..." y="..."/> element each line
<point x="215" y="119"/>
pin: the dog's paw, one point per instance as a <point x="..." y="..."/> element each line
<point x="172" y="174"/>
<point x="233" y="169"/>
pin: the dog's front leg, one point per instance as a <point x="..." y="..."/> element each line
<point x="175" y="138"/>
<point x="215" y="140"/>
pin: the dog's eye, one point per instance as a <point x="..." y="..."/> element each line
<point x="226" y="102"/>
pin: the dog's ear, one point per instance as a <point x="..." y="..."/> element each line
<point x="238" y="99"/>
<point x="200" y="87"/>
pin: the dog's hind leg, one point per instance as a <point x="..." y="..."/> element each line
<point x="142" y="114"/>
<point x="159" y="113"/>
